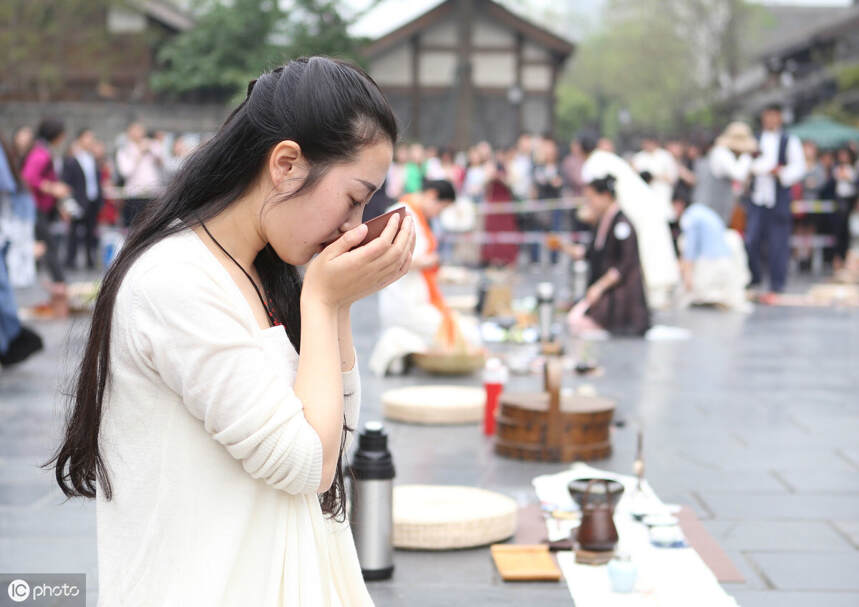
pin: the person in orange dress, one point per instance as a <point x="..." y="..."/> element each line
<point x="414" y="314"/>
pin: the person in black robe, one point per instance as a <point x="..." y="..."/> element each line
<point x="615" y="300"/>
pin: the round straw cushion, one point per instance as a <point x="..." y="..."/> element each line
<point x="436" y="517"/>
<point x="434" y="404"/>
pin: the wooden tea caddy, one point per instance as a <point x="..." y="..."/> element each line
<point x="546" y="426"/>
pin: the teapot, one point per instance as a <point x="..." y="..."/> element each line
<point x="597" y="531"/>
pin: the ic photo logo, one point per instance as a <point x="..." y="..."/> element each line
<point x="44" y="589"/>
<point x="19" y="591"/>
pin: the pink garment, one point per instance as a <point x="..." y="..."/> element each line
<point x="39" y="168"/>
<point x="141" y="164"/>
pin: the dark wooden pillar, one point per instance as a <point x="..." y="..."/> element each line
<point x="416" y="87"/>
<point x="556" y="67"/>
<point x="518" y="84"/>
<point x="464" y="78"/>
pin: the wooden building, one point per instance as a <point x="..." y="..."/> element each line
<point x="98" y="51"/>
<point x="800" y="63"/>
<point x="467" y="71"/>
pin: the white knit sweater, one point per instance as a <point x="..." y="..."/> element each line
<point x="213" y="466"/>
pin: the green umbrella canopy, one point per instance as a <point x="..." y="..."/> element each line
<point x="825" y="132"/>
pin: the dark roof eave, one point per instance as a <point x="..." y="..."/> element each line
<point x="560" y="47"/>
<point x="825" y="33"/>
<point x="167" y="14"/>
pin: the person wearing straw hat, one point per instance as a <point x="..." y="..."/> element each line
<point x="722" y="177"/>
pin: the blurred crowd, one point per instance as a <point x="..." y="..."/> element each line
<point x="69" y="190"/>
<point x="68" y="198"/>
<point x="537" y="168"/>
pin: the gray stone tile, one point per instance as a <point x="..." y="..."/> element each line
<point x="778" y="535"/>
<point x="783" y="436"/>
<point x="29" y="446"/>
<point x="810" y="570"/>
<point x="851" y="453"/>
<point x="721" y="412"/>
<point x="23" y="494"/>
<point x="513" y="594"/>
<point x="850" y="529"/>
<point x="472" y="566"/>
<point x="749" y="570"/>
<point x="775" y="598"/>
<point x="824" y="480"/>
<point x="756" y="506"/>
<point x="714" y="480"/>
<point x="754" y="458"/>
<point x="23" y="470"/>
<point x="73" y="519"/>
<point x="49" y="555"/>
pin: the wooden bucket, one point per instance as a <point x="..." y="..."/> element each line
<point x="543" y="426"/>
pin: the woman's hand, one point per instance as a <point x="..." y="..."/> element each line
<point x="339" y="276"/>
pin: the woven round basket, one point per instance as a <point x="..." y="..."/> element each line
<point x="462" y="303"/>
<point x="435" y="517"/>
<point x="440" y="363"/>
<point x="435" y="404"/>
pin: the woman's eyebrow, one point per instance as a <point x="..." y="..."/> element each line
<point x="370" y="187"/>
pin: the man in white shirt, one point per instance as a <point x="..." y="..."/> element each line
<point x="780" y="164"/>
<point x="522" y="168"/>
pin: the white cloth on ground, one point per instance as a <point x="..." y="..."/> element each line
<point x="673" y="577"/>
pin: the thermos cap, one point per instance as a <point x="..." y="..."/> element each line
<point x="495" y="372"/>
<point x="374" y="427"/>
<point x="545" y="290"/>
<point x="373" y="437"/>
<point x="372" y="460"/>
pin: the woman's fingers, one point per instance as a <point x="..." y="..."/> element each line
<point x="377" y="248"/>
<point x="400" y="240"/>
<point x="406" y="244"/>
<point x="347" y="241"/>
<point x="384" y="260"/>
<point x="390" y="231"/>
<point x="388" y="267"/>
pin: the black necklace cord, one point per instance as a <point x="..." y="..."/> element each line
<point x="272" y="320"/>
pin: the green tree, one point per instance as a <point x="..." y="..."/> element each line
<point x="229" y="45"/>
<point x="320" y="27"/>
<point x="233" y="42"/>
<point x="575" y="110"/>
<point x="659" y="63"/>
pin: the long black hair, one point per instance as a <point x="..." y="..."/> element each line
<point x="50" y="129"/>
<point x="331" y="109"/>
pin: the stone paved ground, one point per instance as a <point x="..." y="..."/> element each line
<point x="753" y="422"/>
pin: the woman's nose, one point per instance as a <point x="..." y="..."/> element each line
<point x="353" y="219"/>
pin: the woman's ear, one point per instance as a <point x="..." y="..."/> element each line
<point x="285" y="162"/>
